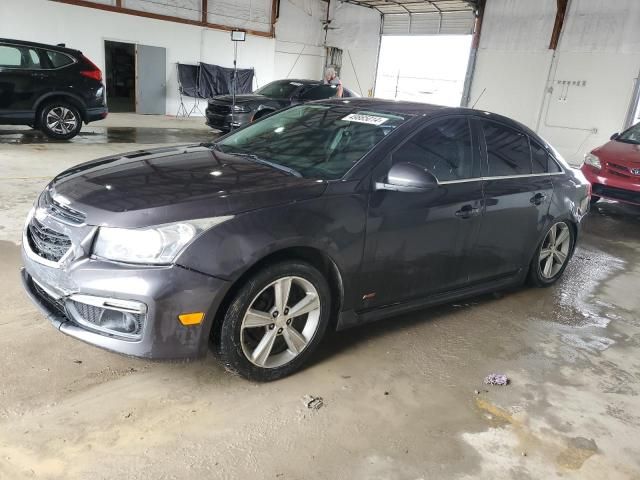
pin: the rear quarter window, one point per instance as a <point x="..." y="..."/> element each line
<point x="58" y="59"/>
<point x="541" y="159"/>
<point x="507" y="150"/>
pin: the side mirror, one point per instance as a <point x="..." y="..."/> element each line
<point x="408" y="177"/>
<point x="614" y="136"/>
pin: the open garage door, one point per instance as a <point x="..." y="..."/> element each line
<point x="424" y="50"/>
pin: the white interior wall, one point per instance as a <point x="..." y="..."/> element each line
<point x="518" y="76"/>
<point x="86" y="29"/>
<point x="356" y="30"/>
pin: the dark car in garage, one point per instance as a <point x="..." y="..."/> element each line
<point x="49" y="87"/>
<point x="274" y="96"/>
<point x="322" y="216"/>
<point x="614" y="168"/>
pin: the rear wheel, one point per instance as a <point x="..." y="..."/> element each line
<point x="552" y="255"/>
<point x="275" y="321"/>
<point x="60" y="120"/>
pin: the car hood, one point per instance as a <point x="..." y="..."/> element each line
<point x="626" y="154"/>
<point x="152" y="187"/>
<point x="240" y="99"/>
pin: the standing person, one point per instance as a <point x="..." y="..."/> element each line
<point x="330" y="78"/>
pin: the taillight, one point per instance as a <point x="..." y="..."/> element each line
<point x="92" y="71"/>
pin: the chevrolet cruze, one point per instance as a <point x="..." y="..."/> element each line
<point x="324" y="215"/>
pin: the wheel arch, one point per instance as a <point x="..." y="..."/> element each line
<point x="314" y="256"/>
<point x="75" y="100"/>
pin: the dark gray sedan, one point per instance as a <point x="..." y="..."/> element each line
<point x="324" y="215"/>
<point x="223" y="116"/>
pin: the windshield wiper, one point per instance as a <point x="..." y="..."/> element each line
<point x="262" y="161"/>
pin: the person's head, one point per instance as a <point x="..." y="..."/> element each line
<point x="329" y="74"/>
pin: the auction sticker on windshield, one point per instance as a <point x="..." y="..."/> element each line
<point x="362" y="118"/>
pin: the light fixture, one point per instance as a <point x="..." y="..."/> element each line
<point x="238" y="35"/>
<point x="216" y="173"/>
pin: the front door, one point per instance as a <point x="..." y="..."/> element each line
<point x="417" y="243"/>
<point x="517" y="199"/>
<point x="151" y="80"/>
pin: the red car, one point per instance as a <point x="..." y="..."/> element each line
<point x="614" y="168"/>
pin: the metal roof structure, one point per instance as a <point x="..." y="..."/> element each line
<point x="417" y="6"/>
<point x="423" y="17"/>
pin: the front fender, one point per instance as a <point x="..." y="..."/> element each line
<point x="334" y="226"/>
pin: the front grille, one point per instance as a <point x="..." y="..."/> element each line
<point x="47" y="243"/>
<point x="48" y="301"/>
<point x="218" y="109"/>
<point x="61" y="211"/>
<point x="616" y="193"/>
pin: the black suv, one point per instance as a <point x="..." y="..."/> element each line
<point x="51" y="88"/>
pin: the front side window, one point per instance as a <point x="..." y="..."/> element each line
<point x="279" y="89"/>
<point x="507" y="150"/>
<point x="317" y="141"/>
<point x="443" y="148"/>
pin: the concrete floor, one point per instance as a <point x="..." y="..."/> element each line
<point x="400" y="397"/>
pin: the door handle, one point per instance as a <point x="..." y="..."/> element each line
<point x="538" y="198"/>
<point x="467" y="211"/>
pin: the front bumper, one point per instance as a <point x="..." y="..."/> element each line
<point x="224" y="122"/>
<point x="612" y="186"/>
<point x="165" y="292"/>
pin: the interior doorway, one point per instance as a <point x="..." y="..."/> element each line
<point x="423" y="68"/>
<point x="120" y="75"/>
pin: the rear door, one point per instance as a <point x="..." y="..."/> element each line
<point x="20" y="79"/>
<point x="417" y="243"/>
<point x="516" y="202"/>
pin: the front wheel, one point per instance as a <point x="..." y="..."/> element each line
<point x="552" y="255"/>
<point x="60" y="120"/>
<point x="275" y="321"/>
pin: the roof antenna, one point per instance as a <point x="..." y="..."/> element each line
<point x="479" y="97"/>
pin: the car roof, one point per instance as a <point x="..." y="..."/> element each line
<point x="401" y="107"/>
<point x="27" y="43"/>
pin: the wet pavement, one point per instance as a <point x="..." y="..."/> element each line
<point x="403" y="398"/>
<point x="91" y="135"/>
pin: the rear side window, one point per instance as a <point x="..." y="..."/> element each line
<point x="13" y="56"/>
<point x="320" y="92"/>
<point x="542" y="160"/>
<point x="58" y="59"/>
<point x="443" y="148"/>
<point x="507" y="150"/>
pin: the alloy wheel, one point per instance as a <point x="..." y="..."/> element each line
<point x="61" y="120"/>
<point x="555" y="250"/>
<point x="280" y="322"/>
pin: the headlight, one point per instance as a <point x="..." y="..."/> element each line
<point x="594" y="161"/>
<point x="241" y="109"/>
<point x="158" y="245"/>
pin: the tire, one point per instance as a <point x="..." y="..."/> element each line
<point x="553" y="248"/>
<point x="262" y="346"/>
<point x="59" y="120"/>
<point x="594" y="199"/>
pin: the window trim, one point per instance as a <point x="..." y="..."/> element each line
<point x="41" y="52"/>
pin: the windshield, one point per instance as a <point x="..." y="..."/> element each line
<point x="317" y="141"/>
<point x="279" y="89"/>
<point x="632" y="135"/>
